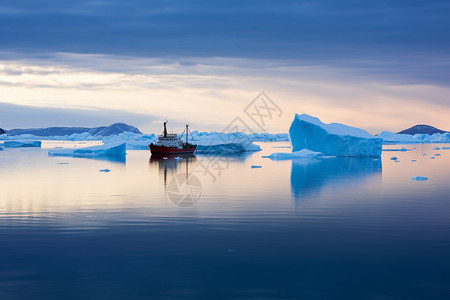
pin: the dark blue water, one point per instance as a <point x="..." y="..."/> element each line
<point x="338" y="228"/>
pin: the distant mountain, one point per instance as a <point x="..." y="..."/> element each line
<point x="2" y="131"/>
<point x="421" y="129"/>
<point x="113" y="129"/>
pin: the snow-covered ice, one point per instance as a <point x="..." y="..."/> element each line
<point x="434" y="138"/>
<point x="333" y="139"/>
<point x="419" y="178"/>
<point x="395" y="138"/>
<point x="304" y="153"/>
<point x="117" y="150"/>
<point x="221" y="147"/>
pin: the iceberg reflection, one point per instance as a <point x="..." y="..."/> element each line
<point x="311" y="175"/>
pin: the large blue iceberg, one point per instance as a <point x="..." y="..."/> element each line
<point x="332" y="139"/>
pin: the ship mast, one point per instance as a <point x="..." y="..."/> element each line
<point x="187" y="131"/>
<point x="165" y="129"/>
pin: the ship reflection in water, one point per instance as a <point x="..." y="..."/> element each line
<point x="171" y="164"/>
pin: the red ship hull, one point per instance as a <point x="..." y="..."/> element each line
<point x="155" y="149"/>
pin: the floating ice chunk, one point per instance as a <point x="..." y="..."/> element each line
<point x="105" y="170"/>
<point x="256" y="167"/>
<point x="436" y="148"/>
<point x="432" y="157"/>
<point x="304" y="153"/>
<point x="395" y="138"/>
<point x="108" y="150"/>
<point x="401" y="149"/>
<point x="437" y="154"/>
<point x="445" y="148"/>
<point x="419" y="178"/>
<point x="21" y="144"/>
<point x="394" y="158"/>
<point x="178" y="157"/>
<point x="413" y="160"/>
<point x="334" y="139"/>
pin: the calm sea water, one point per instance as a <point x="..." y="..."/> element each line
<point x="240" y="227"/>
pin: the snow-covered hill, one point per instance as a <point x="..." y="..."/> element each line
<point x="113" y="129"/>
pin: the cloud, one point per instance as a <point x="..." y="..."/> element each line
<point x="25" y="116"/>
<point x="320" y="30"/>
<point x="210" y="92"/>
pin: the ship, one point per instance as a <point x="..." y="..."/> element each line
<point x="171" y="143"/>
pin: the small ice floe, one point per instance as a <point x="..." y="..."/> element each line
<point x="419" y="178"/>
<point x="445" y="148"/>
<point x="178" y="157"/>
<point x="437" y="154"/>
<point x="394" y="158"/>
<point x="436" y="148"/>
<point x="304" y="153"/>
<point x="105" y="170"/>
<point x="256" y="167"/>
<point x="413" y="160"/>
<point x="107" y="150"/>
<point x="165" y="158"/>
<point x="375" y="159"/>
<point x="401" y="149"/>
<point x="432" y="157"/>
<point x="424" y="154"/>
<point x="63" y="163"/>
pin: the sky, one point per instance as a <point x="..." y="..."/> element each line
<point x="378" y="65"/>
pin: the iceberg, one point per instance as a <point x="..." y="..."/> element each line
<point x="304" y="153"/>
<point x="20" y="144"/>
<point x="395" y="138"/>
<point x="419" y="178"/>
<point x="113" y="150"/>
<point x="434" y="138"/>
<point x="333" y="139"/>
